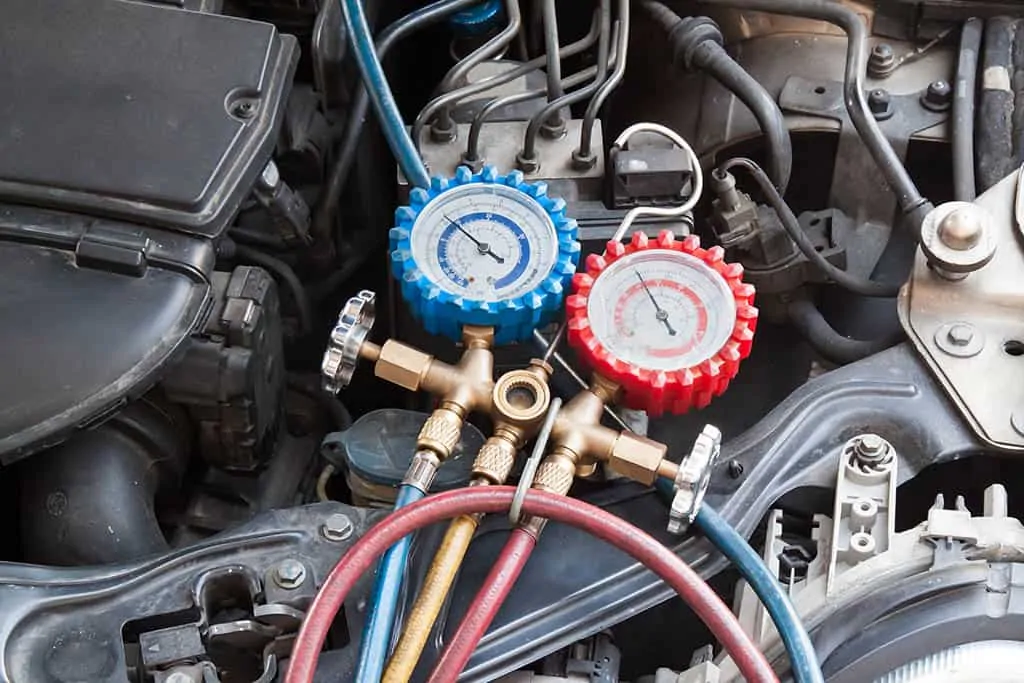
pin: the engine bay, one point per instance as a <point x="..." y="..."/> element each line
<point x="494" y="340"/>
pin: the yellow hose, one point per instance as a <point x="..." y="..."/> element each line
<point x="432" y="595"/>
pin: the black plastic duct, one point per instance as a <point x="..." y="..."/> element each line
<point x="91" y="499"/>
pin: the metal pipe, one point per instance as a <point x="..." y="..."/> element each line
<point x="450" y="98"/>
<point x="472" y="154"/>
<point x="551" y="51"/>
<point x="528" y="155"/>
<point x="327" y="209"/>
<point x="584" y="154"/>
<point x="964" y="88"/>
<point x="489" y="49"/>
<point x="912" y="204"/>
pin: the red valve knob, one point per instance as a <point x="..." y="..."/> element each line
<point x="666" y="319"/>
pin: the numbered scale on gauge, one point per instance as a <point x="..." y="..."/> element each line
<point x="667" y="320"/>
<point x="484" y="250"/>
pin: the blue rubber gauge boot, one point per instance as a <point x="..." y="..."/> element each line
<point x="484" y="249"/>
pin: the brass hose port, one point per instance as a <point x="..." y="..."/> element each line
<point x="521" y="398"/>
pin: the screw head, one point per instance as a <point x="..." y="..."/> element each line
<point x="337" y="527"/>
<point x="289" y="573"/>
<point x="960" y="335"/>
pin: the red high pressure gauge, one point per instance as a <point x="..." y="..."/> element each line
<point x="665" y="319"/>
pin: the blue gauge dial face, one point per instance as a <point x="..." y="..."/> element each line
<point x="485" y="242"/>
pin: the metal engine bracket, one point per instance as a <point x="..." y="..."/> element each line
<point x="971" y="332"/>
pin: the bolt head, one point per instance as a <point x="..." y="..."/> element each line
<point x="961" y="230"/>
<point x="882" y="51"/>
<point x="870" y="444"/>
<point x="960" y="335"/>
<point x="880" y="103"/>
<point x="289" y="573"/>
<point x="337" y="527"/>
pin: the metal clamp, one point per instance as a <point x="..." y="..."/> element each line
<point x="530" y="469"/>
<point x="692" y="479"/>
<point x="354" y="324"/>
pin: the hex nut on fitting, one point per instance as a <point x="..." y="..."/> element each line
<point x="527" y="165"/>
<point x="956" y="238"/>
<point x="637" y="457"/>
<point x="402" y="365"/>
<point x="337" y="527"/>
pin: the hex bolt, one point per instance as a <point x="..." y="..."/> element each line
<point x="937" y="96"/>
<point x="960" y="335"/>
<point x="337" y="527"/>
<point x="880" y="103"/>
<point x="289" y="574"/>
<point x="960" y="230"/>
<point x="882" y="61"/>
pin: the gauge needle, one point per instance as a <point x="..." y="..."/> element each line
<point x="660" y="313"/>
<point x="482" y="247"/>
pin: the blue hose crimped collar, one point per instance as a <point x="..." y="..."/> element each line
<point x="478" y="19"/>
<point x="441" y="312"/>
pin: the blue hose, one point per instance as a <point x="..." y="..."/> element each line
<point x="802" y="657"/>
<point x="380" y="613"/>
<point x="380" y="94"/>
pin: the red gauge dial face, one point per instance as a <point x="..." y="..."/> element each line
<point x="661" y="310"/>
<point x="665" y="319"/>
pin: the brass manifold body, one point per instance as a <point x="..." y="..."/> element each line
<point x="460" y="389"/>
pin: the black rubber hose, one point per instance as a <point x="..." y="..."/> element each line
<point x="90" y="500"/>
<point x="286" y="275"/>
<point x="964" y="92"/>
<point x="996" y="111"/>
<point x="697" y="43"/>
<point x="833" y="346"/>
<point x="341" y="418"/>
<point x="789" y="221"/>
<point x="912" y="204"/>
<point x="330" y="196"/>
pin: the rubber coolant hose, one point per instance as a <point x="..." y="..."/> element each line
<point x="439" y="580"/>
<point x="380" y="613"/>
<point x="833" y="346"/>
<point x="485" y="606"/>
<point x="791" y="224"/>
<point x="493" y="499"/>
<point x="380" y="94"/>
<point x="697" y="43"/>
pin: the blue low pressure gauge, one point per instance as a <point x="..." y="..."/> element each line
<point x="484" y="249"/>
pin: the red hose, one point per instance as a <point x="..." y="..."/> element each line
<point x="491" y="499"/>
<point x="484" y="607"/>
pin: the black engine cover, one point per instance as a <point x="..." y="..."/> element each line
<point x="129" y="136"/>
<point x="140" y="112"/>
